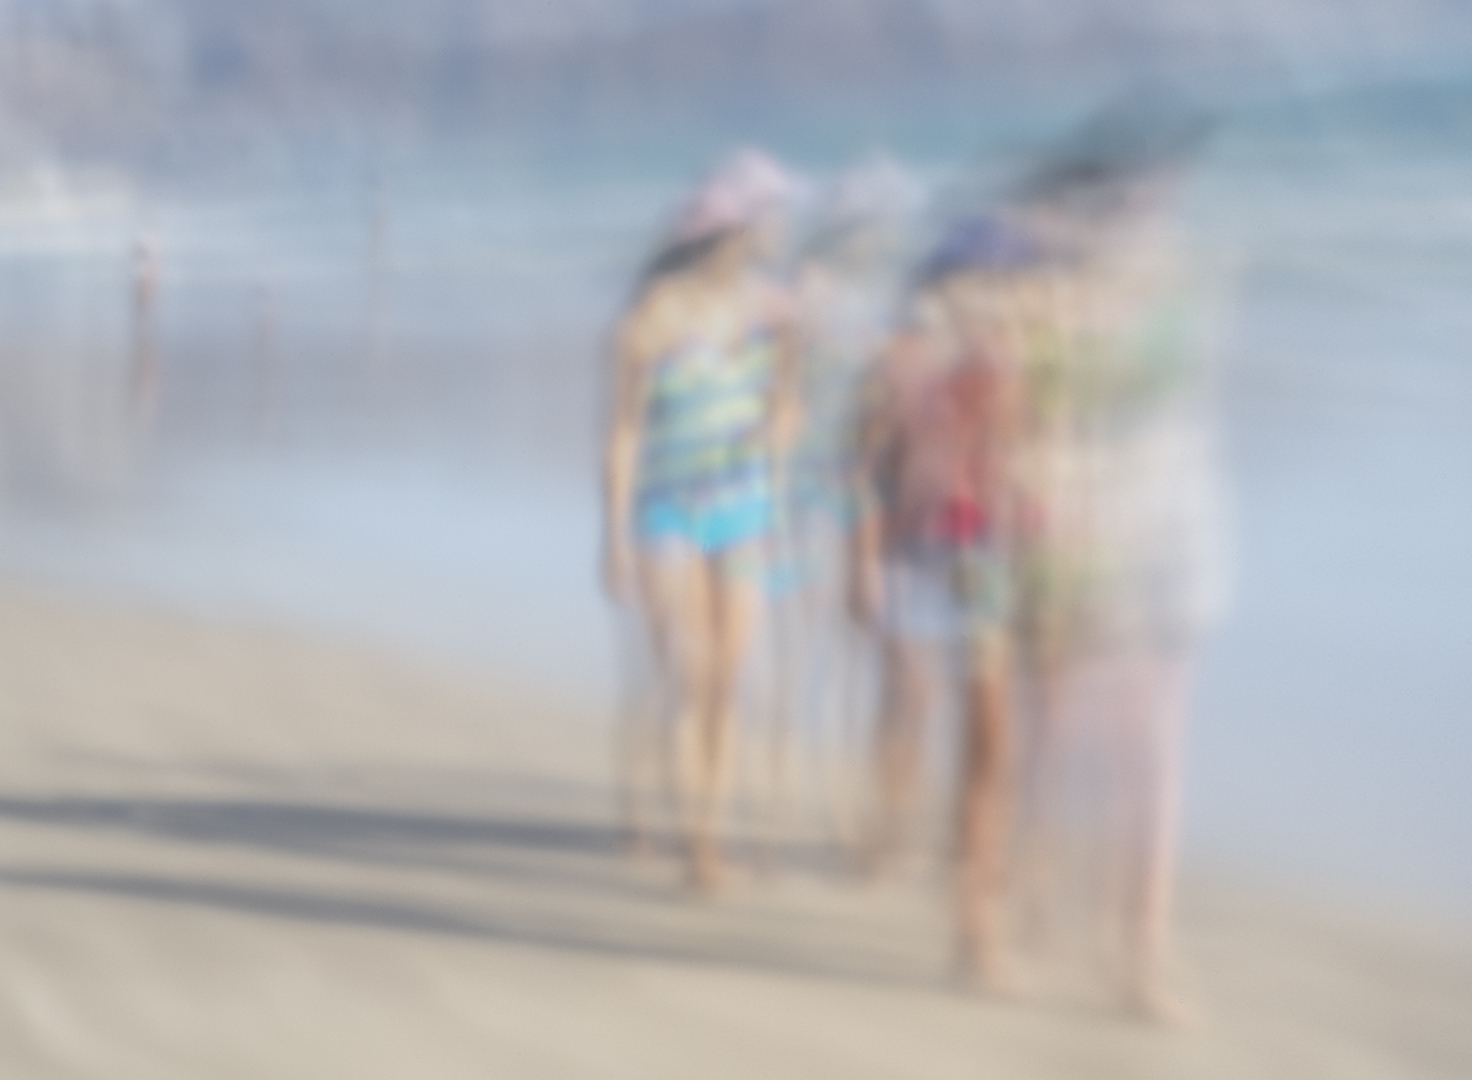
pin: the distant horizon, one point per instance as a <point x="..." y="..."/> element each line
<point x="108" y="80"/>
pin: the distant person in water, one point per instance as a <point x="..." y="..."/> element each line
<point x="143" y="378"/>
<point x="931" y="555"/>
<point x="704" y="405"/>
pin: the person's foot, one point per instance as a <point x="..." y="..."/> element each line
<point x="1150" y="1000"/>
<point x="984" y="971"/>
<point x="706" y="872"/>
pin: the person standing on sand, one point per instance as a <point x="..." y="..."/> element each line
<point x="1138" y="569"/>
<point x="1157" y="518"/>
<point x="846" y="284"/>
<point x="930" y="560"/>
<point x="704" y="406"/>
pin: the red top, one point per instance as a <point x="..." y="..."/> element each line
<point x="942" y="464"/>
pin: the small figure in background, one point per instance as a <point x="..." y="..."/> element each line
<point x="265" y="360"/>
<point x="144" y="377"/>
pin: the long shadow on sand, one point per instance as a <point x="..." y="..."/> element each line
<point x="307" y="827"/>
<point x="744" y="950"/>
<point x="597" y="907"/>
<point x="531" y="848"/>
<point x="398" y="837"/>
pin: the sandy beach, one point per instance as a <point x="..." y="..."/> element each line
<point x="311" y="317"/>
<point x="231" y="852"/>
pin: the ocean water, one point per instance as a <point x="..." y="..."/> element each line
<point x="380" y="406"/>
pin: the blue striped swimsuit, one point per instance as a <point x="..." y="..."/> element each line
<point x="704" y="467"/>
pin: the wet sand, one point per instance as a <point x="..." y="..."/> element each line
<point x="232" y="852"/>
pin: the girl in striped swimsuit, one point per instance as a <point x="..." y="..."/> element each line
<point x="703" y="406"/>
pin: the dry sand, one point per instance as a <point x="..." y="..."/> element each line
<point x="233" y="853"/>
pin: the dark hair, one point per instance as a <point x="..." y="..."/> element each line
<point x="978" y="243"/>
<point x="1140" y="136"/>
<point x="681" y="255"/>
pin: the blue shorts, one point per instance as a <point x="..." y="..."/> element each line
<point x="711" y="528"/>
<point x="941" y="593"/>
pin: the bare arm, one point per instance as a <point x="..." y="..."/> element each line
<point x="1000" y="461"/>
<point x="873" y="432"/>
<point x="621" y="456"/>
<point x="786" y="418"/>
<point x="1011" y="424"/>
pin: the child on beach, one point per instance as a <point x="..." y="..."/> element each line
<point x="1125" y="572"/>
<point x="704" y="405"/>
<point x="931" y="553"/>
<point x="846" y="284"/>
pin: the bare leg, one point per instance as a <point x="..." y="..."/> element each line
<point x="1040" y="791"/>
<point x="825" y="658"/>
<point x="734" y="604"/>
<point x="908" y="694"/>
<point x="1149" y="734"/>
<point x="636" y="735"/>
<point x="785" y="636"/>
<point x="677" y="604"/>
<point x="985" y="802"/>
<point x="846" y="745"/>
